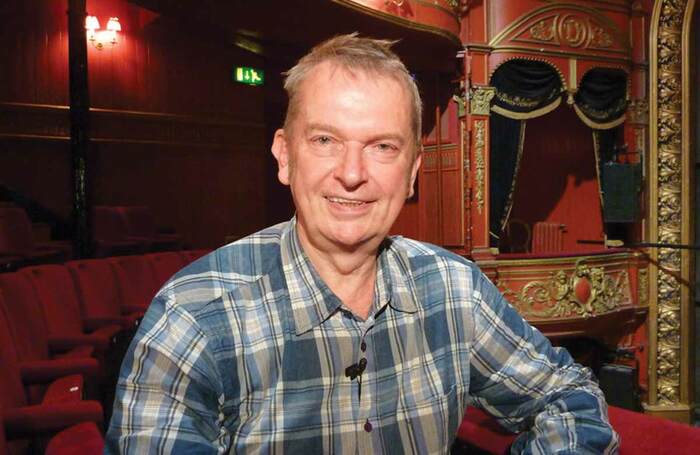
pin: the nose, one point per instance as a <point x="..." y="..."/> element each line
<point x="351" y="169"/>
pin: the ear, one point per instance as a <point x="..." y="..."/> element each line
<point x="414" y="173"/>
<point x="281" y="154"/>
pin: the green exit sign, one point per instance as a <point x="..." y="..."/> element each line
<point x="250" y="76"/>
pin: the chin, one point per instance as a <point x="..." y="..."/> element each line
<point x="350" y="238"/>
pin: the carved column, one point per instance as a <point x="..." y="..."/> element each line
<point x="479" y="111"/>
<point x="670" y="373"/>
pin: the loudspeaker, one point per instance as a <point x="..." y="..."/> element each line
<point x="620" y="185"/>
<point x="619" y="384"/>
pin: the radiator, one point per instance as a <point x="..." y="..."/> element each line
<point x="548" y="237"/>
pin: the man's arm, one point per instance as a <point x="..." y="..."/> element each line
<point x="167" y="397"/>
<point x="518" y="377"/>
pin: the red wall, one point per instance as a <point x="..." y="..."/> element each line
<point x="171" y="130"/>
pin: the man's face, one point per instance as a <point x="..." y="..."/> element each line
<point x="350" y="158"/>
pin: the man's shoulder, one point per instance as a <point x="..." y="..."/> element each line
<point x="226" y="269"/>
<point x="423" y="253"/>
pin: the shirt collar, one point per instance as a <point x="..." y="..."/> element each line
<point x="312" y="301"/>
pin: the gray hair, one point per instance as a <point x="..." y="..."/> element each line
<point x="354" y="53"/>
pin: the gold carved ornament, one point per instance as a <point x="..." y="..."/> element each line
<point x="587" y="291"/>
<point x="669" y="202"/>
<point x="572" y="29"/>
<point x="480" y="100"/>
<point x="479" y="148"/>
<point x="643" y="287"/>
<point x="638" y="111"/>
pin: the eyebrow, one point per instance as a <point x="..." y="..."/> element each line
<point x="333" y="130"/>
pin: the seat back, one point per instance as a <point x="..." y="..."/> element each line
<point x="97" y="288"/>
<point x="135" y="279"/>
<point x="164" y="265"/>
<point x="189" y="256"/>
<point x="25" y="316"/>
<point x="548" y="237"/>
<point x="139" y="221"/>
<point x="57" y="295"/>
<point x="12" y="393"/>
<point x="16" y="236"/>
<point x="109" y="224"/>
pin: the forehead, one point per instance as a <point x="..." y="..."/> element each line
<point x="331" y="93"/>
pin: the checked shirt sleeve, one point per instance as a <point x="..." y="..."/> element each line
<point x="167" y="398"/>
<point x="528" y="385"/>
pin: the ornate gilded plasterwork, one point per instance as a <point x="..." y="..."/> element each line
<point x="564" y="27"/>
<point x="480" y="100"/>
<point x="586" y="291"/>
<point x="643" y="287"/>
<point x="669" y="199"/>
<point x="479" y="149"/>
<point x="638" y="111"/>
<point x="572" y="30"/>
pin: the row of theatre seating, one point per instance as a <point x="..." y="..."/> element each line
<point x="64" y="329"/>
<point x="116" y="230"/>
<point x="128" y="230"/>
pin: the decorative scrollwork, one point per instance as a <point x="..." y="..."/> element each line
<point x="480" y="100"/>
<point x="600" y="37"/>
<point x="669" y="201"/>
<point x="638" y="111"/>
<point x="479" y="149"/>
<point x="643" y="287"/>
<point x="544" y="30"/>
<point x="587" y="291"/>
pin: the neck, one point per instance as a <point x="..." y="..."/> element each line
<point x="350" y="274"/>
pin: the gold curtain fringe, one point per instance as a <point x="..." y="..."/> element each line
<point x="596" y="152"/>
<point x="596" y="125"/>
<point x="527" y="115"/>
<point x="509" y="204"/>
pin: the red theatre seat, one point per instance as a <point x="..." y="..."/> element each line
<point x="28" y="322"/>
<point x="99" y="295"/>
<point x="164" y="265"/>
<point x="639" y="433"/>
<point x="27" y="332"/>
<point x="136" y="281"/>
<point x="81" y="439"/>
<point x="17" y="239"/>
<point x="66" y="327"/>
<point x="192" y="255"/>
<point x="111" y="234"/>
<point x="141" y="224"/>
<point x="61" y="405"/>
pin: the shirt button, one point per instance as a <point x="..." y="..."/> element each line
<point x="363" y="346"/>
<point x="368" y="426"/>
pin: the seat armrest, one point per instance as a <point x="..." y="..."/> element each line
<point x="64" y="343"/>
<point x="31" y="421"/>
<point x="131" y="308"/>
<point x="45" y="371"/>
<point x="92" y="324"/>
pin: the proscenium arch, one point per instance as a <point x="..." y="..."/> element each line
<point x="669" y="199"/>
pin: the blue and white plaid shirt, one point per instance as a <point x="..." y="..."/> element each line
<point x="246" y="350"/>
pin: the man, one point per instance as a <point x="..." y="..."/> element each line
<point x="323" y="335"/>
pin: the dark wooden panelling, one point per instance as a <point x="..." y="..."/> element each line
<point x="40" y="170"/>
<point x="170" y="128"/>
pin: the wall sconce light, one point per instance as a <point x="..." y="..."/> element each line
<point x="98" y="37"/>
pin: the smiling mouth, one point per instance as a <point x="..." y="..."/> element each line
<point x="345" y="202"/>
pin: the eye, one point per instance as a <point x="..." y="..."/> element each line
<point x="385" y="148"/>
<point x="322" y="140"/>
